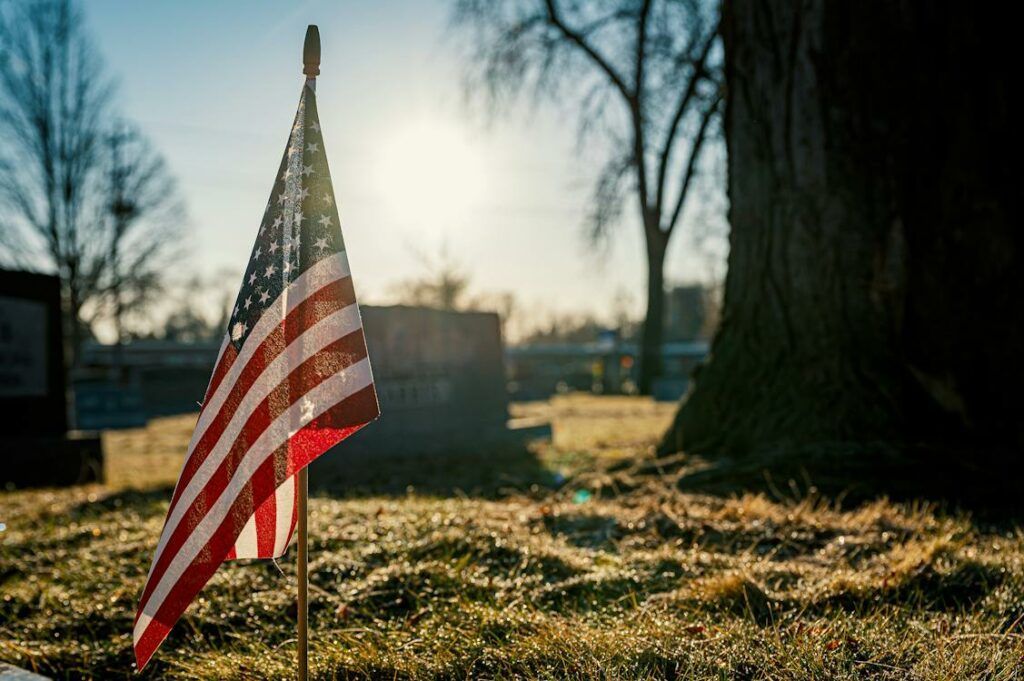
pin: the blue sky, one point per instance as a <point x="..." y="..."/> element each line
<point x="214" y="85"/>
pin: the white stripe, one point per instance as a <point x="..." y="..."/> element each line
<point x="285" y="506"/>
<point x="245" y="545"/>
<point x="318" y="400"/>
<point x="329" y="329"/>
<point x="310" y="281"/>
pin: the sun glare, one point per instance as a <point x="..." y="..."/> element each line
<point x="430" y="174"/>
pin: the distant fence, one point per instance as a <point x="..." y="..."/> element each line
<point x="539" y="371"/>
<point x="423" y="361"/>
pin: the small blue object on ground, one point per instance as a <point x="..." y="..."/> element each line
<point x="581" y="496"/>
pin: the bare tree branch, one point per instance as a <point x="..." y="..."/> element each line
<point x="609" y="196"/>
<point x="685" y="98"/>
<point x="581" y="42"/>
<point x="637" y="110"/>
<point x="691" y="164"/>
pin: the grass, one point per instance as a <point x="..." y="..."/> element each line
<point x="580" y="560"/>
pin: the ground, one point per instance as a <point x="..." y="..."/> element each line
<point x="578" y="559"/>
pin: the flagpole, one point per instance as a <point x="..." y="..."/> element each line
<point x="303" y="652"/>
<point x="310" y="67"/>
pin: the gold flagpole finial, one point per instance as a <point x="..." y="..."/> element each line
<point x="311" y="52"/>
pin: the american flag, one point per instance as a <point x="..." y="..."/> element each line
<point x="291" y="381"/>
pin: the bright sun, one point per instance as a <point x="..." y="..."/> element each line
<point x="430" y="174"/>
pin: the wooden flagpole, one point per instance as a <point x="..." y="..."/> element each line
<point x="310" y="67"/>
<point x="303" y="653"/>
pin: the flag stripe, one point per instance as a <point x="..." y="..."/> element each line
<point x="246" y="542"/>
<point x="266" y="523"/>
<point x="285" y="515"/>
<point x="262" y="412"/>
<point x="202" y="463"/>
<point x="274" y="534"/>
<point x="315" y="278"/>
<point x="260" y="495"/>
<point x="313" y="310"/>
<point x="326" y="394"/>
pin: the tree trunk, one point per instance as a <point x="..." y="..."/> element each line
<point x="873" y="288"/>
<point x="72" y="350"/>
<point x="74" y="317"/>
<point x="654" y="320"/>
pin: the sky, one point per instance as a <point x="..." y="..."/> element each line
<point x="416" y="167"/>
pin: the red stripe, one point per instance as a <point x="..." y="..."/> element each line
<point x="331" y="360"/>
<point x="195" y="577"/>
<point x="295" y="509"/>
<point x="315" y="307"/>
<point x="306" y="445"/>
<point x="266" y="513"/>
<point x="266" y="517"/>
<point x="263" y="485"/>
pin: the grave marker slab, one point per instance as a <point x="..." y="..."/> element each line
<point x="440" y="379"/>
<point x="9" y="672"/>
<point x="34" y="441"/>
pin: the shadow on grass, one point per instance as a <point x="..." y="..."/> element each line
<point x="855" y="473"/>
<point x="960" y="588"/>
<point x="138" y="500"/>
<point x="585" y="530"/>
<point x="488" y="473"/>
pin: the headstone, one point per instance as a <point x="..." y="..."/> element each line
<point x="9" y="672"/>
<point x="34" y="442"/>
<point x="31" y="355"/>
<point x="440" y="379"/>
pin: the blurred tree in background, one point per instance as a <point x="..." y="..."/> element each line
<point x="198" y="307"/>
<point x="443" y="285"/>
<point x="81" y="192"/>
<point x="646" y="77"/>
<point x="144" y="217"/>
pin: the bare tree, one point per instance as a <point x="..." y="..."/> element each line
<point x="200" y="309"/>
<point x="89" y="202"/>
<point x="444" y="284"/>
<point x="646" y="76"/>
<point x="143" y="219"/>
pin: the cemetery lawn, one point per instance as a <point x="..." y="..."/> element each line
<point x="579" y="559"/>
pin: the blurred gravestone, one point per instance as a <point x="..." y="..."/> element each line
<point x="35" y="445"/>
<point x="441" y="383"/>
<point x="12" y="673"/>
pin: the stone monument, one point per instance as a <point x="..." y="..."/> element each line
<point x="441" y="383"/>
<point x="34" y="440"/>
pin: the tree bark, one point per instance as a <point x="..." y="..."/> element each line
<point x="873" y="286"/>
<point x="654" y="318"/>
